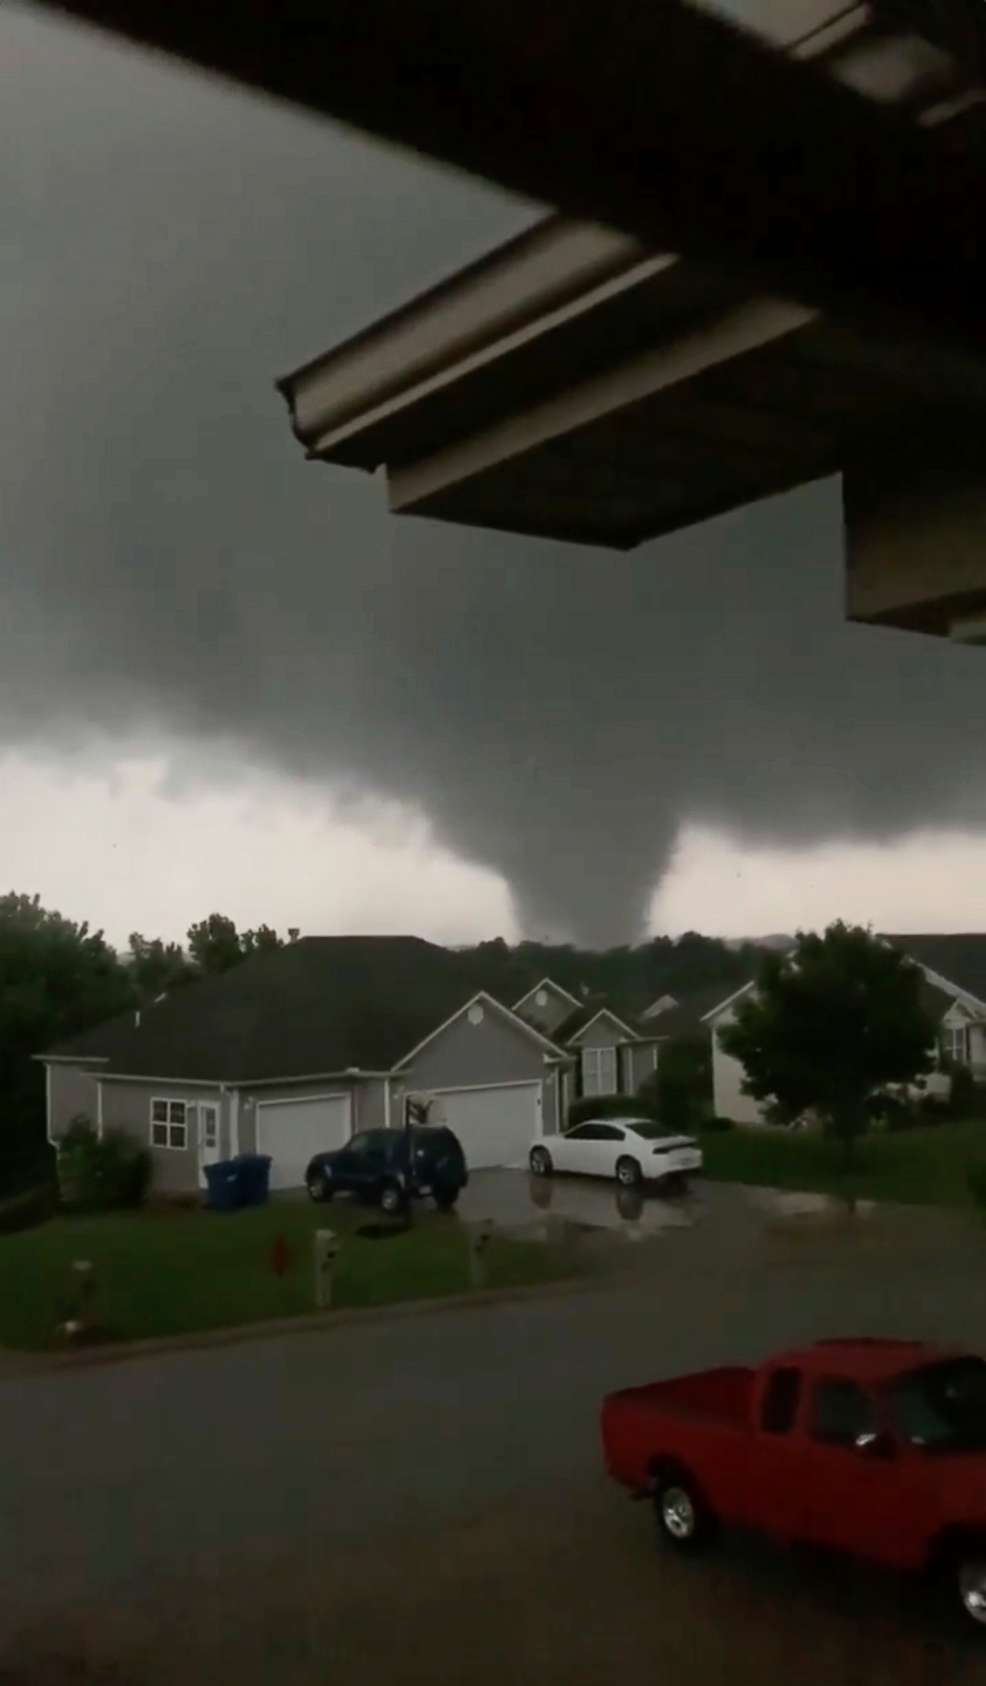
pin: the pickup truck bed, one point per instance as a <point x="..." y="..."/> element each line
<point x="640" y="1420"/>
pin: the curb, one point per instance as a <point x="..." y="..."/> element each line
<point x="15" y="1366"/>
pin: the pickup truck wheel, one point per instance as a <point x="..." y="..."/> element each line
<point x="970" y="1579"/>
<point x="628" y="1173"/>
<point x="684" y="1520"/>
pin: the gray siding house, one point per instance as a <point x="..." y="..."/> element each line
<point x="608" y="1052"/>
<point x="954" y="967"/>
<point x="293" y="1052"/>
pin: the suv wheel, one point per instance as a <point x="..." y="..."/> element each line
<point x="319" y="1188"/>
<point x="391" y="1199"/>
<point x="683" y="1518"/>
<point x="541" y="1162"/>
<point x="446" y="1198"/>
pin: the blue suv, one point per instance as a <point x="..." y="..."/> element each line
<point x="374" y="1165"/>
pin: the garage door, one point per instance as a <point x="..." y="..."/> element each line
<point x="495" y="1126"/>
<point x="292" y="1131"/>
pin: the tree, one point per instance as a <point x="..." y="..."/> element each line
<point x="830" y="1023"/>
<point x="56" y="978"/>
<point x="215" y="945"/>
<point x="157" y="966"/>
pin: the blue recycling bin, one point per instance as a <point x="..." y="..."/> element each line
<point x="254" y="1170"/>
<point x="223" y="1186"/>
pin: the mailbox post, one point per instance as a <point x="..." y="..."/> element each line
<point x="327" y="1246"/>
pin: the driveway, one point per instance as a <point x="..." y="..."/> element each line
<point x="422" y="1500"/>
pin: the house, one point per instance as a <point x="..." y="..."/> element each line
<point x="954" y="969"/>
<point x="609" y="1052"/>
<point x="293" y="1051"/>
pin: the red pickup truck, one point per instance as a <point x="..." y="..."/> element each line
<point x="874" y="1447"/>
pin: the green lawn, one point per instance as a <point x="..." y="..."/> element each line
<point x="927" y="1166"/>
<point x="165" y="1272"/>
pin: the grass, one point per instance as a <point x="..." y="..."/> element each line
<point x="165" y="1272"/>
<point x="927" y="1166"/>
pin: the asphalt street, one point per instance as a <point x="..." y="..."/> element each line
<point x="422" y="1499"/>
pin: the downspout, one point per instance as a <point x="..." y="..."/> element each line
<point x="386" y="1102"/>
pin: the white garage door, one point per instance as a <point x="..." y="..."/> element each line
<point x="292" y="1131"/>
<point x="495" y="1126"/>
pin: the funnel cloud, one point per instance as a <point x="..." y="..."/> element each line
<point x="172" y="564"/>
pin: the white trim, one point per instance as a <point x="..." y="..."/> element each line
<point x="964" y="997"/>
<point x="386" y="1103"/>
<point x="72" y="1059"/>
<point x="353" y="1075"/>
<point x="608" y="1012"/>
<point x="474" y="1088"/>
<point x="550" y="982"/>
<point x="727" y="1001"/>
<point x="489" y="1001"/>
<point x="48" y="1105"/>
<point x="169" y="1101"/>
<point x="182" y="1082"/>
<point x="234" y="1122"/>
<point x="99" y="1108"/>
<point x="302" y="1100"/>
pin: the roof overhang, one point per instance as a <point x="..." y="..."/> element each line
<point x="834" y="159"/>
<point x="571" y="386"/>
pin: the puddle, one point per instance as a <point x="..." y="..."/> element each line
<point x="792" y="1205"/>
<point x="567" y="1208"/>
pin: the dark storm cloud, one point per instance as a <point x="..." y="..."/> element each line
<point x="170" y="560"/>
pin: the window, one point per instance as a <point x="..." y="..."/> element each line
<point x="169" y="1124"/>
<point x="955" y="1042"/>
<point x="599" y="1071"/>
<point x="841" y="1412"/>
<point x="942" y="1407"/>
<point x="371" y="1143"/>
<point x="780" y="1402"/>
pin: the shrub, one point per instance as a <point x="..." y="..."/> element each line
<point x="717" y="1123"/>
<point x="962" y="1096"/>
<point x="934" y="1109"/>
<point x="894" y="1112"/>
<point x="99" y="1172"/>
<point x="24" y="1211"/>
<point x="680" y="1091"/>
<point x="609" y="1106"/>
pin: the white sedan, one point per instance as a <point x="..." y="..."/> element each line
<point x="633" y="1150"/>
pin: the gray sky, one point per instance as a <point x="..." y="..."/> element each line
<point x="230" y="679"/>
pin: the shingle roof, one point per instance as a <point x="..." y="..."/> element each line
<point x="316" y="1006"/>
<point x="959" y="958"/>
<point x="685" y="1018"/>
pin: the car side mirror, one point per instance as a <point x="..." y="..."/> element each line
<point x="875" y="1444"/>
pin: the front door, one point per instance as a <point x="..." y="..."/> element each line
<point x="208" y="1137"/>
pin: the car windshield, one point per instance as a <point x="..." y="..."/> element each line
<point x="648" y="1127"/>
<point x="943" y="1406"/>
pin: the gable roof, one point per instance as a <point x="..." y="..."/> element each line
<point x="688" y="1015"/>
<point x="320" y="1005"/>
<point x="487" y="1000"/>
<point x="958" y="959"/>
<point x="935" y="999"/>
<point x="546" y="983"/>
<point x="590" y="1016"/>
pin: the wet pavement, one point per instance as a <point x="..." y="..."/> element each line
<point x="422" y="1500"/>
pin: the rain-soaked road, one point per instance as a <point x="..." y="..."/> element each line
<point x="421" y="1499"/>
